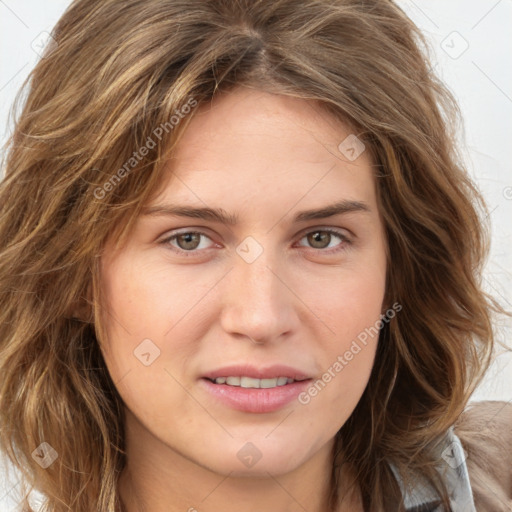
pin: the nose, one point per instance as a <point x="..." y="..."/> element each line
<point x="257" y="301"/>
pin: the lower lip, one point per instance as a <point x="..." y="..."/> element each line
<point x="255" y="400"/>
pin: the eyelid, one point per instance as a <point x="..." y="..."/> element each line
<point x="174" y="234"/>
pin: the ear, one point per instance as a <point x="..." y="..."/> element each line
<point x="389" y="300"/>
<point x="387" y="304"/>
<point x="82" y="309"/>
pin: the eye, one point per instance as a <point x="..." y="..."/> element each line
<point x="321" y="239"/>
<point x="188" y="243"/>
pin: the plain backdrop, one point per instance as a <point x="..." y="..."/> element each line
<point x="472" y="50"/>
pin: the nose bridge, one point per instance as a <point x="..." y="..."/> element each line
<point x="260" y="280"/>
<point x="258" y="303"/>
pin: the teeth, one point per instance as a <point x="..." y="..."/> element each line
<point x="249" y="382"/>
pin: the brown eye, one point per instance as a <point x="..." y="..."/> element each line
<point x="322" y="239"/>
<point x="188" y="241"/>
<point x="319" y="239"/>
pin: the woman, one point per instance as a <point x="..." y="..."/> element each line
<point x="240" y="264"/>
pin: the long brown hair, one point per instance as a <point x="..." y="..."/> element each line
<point x="118" y="71"/>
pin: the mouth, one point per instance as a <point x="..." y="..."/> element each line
<point x="255" y="390"/>
<point x="253" y="383"/>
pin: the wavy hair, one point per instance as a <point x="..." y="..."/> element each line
<point x="117" y="71"/>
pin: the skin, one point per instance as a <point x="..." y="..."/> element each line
<point x="263" y="157"/>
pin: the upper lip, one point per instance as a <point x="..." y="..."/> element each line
<point x="269" y="372"/>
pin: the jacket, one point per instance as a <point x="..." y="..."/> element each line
<point x="476" y="463"/>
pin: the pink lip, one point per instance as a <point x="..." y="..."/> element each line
<point x="253" y="399"/>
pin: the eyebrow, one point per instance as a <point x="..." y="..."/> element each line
<point x="221" y="216"/>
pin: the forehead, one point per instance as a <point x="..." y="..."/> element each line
<point x="246" y="143"/>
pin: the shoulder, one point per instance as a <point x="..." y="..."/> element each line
<point x="451" y="465"/>
<point x="485" y="431"/>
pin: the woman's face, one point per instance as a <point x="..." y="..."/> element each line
<point x="278" y="292"/>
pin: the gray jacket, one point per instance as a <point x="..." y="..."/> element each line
<point x="453" y="465"/>
<point x="475" y="462"/>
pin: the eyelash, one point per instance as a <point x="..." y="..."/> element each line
<point x="342" y="246"/>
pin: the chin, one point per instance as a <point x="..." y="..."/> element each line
<point x="257" y="458"/>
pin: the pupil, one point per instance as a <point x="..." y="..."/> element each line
<point x="317" y="237"/>
<point x="189" y="238"/>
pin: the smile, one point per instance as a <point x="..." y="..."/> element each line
<point x="249" y="382"/>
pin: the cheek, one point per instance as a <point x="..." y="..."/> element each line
<point x="142" y="300"/>
<point x="146" y="306"/>
<point x="147" y="293"/>
<point x="350" y="301"/>
<point x="140" y="306"/>
<point x="349" y="307"/>
<point x="130" y="312"/>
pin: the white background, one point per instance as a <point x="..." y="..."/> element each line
<point x="472" y="49"/>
